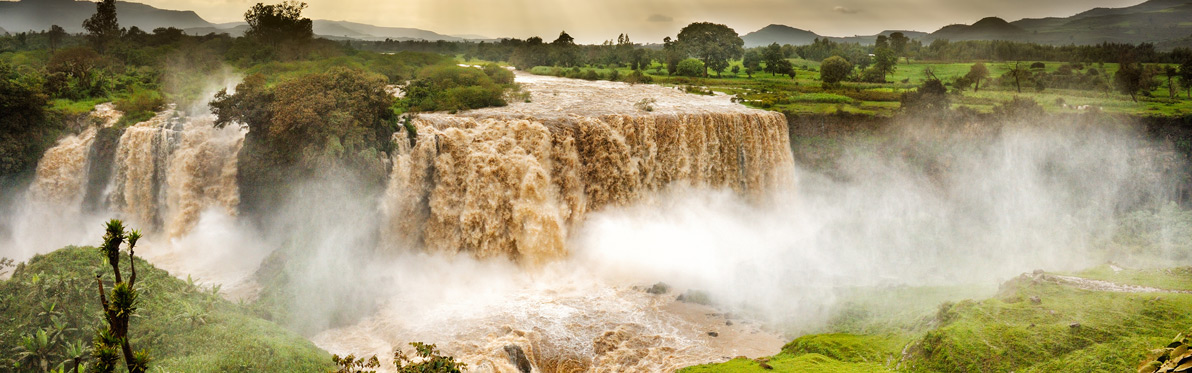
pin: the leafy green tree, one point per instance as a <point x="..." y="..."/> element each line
<point x="278" y="23"/>
<point x="752" y="62"/>
<point x="883" y="62"/>
<point x="1171" y="73"/>
<point x="773" y="57"/>
<point x="835" y="69"/>
<point x="119" y="306"/>
<point x="564" y="50"/>
<point x="103" y="28"/>
<point x="673" y="55"/>
<point x="1186" y="76"/>
<point x="898" y="43"/>
<point x="430" y="360"/>
<point x="977" y="73"/>
<point x="1128" y="79"/>
<point x="714" y="44"/>
<point x="55" y="36"/>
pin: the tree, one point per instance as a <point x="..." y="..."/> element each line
<point x="102" y="26"/>
<point x="898" y="43"/>
<point x="673" y="55"/>
<point x="1128" y="79"/>
<point x="835" y="69"/>
<point x="881" y="42"/>
<point x="930" y="98"/>
<point x="1186" y="76"/>
<point x="884" y="61"/>
<point x="784" y="67"/>
<point x="277" y="24"/>
<point x="1018" y="73"/>
<point x="773" y="57"/>
<point x="120" y="306"/>
<point x="564" y="50"/>
<point x="1171" y="72"/>
<point x="752" y="62"/>
<point x="714" y="44"/>
<point x="55" y="35"/>
<point x="976" y="74"/>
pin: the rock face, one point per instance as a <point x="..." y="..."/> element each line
<point x="1176" y="357"/>
<point x="512" y="182"/>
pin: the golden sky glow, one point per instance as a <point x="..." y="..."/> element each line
<point x="591" y="21"/>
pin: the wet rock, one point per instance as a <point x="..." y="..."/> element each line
<point x="518" y="358"/>
<point x="1074" y="325"/>
<point x="1036" y="300"/>
<point x="728" y="323"/>
<point x="695" y="296"/>
<point x="714" y="334"/>
<point x="659" y="288"/>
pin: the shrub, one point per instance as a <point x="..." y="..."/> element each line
<point x="638" y="77"/>
<point x="498" y="74"/>
<point x="835" y="69"/>
<point x="590" y="75"/>
<point x="690" y="67"/>
<point x="139" y="106"/>
<point x="450" y="87"/>
<point x="1018" y="107"/>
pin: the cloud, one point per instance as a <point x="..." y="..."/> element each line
<point x="845" y="10"/>
<point x="659" y="18"/>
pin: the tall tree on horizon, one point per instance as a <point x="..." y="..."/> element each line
<point x="712" y="43"/>
<point x="103" y="27"/>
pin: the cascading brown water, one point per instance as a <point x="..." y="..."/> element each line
<point x="61" y="176"/>
<point x="496" y="183"/>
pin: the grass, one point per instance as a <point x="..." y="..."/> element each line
<point x="1067" y="329"/>
<point x="186" y="327"/>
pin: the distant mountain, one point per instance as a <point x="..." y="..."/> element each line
<point x="370" y="32"/>
<point x="780" y="34"/>
<point x="990" y="28"/>
<point x="38" y="15"/>
<point x="1162" y="22"/>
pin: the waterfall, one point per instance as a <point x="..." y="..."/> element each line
<point x="513" y="187"/>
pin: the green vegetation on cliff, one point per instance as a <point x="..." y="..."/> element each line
<point x="50" y="309"/>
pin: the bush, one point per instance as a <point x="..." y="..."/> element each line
<point x="835" y="69"/>
<point x="637" y="77"/>
<point x="450" y="87"/>
<point x="590" y="75"/>
<point x="1018" y="107"/>
<point x="691" y="67"/>
<point x="498" y="74"/>
<point x="139" y="106"/>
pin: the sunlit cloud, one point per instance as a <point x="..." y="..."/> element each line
<point x="845" y="10"/>
<point x="660" y="18"/>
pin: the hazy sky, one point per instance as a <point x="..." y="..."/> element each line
<point x="591" y="21"/>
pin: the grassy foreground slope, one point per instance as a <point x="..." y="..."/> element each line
<point x="187" y="328"/>
<point x="1035" y="323"/>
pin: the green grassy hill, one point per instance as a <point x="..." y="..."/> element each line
<point x="1035" y="323"/>
<point x="51" y="303"/>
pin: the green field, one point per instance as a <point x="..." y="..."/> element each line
<point x="806" y="95"/>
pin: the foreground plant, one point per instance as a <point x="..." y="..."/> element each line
<point x="119" y="307"/>
<point x="426" y="359"/>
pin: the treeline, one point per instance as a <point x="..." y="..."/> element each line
<point x="562" y="51"/>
